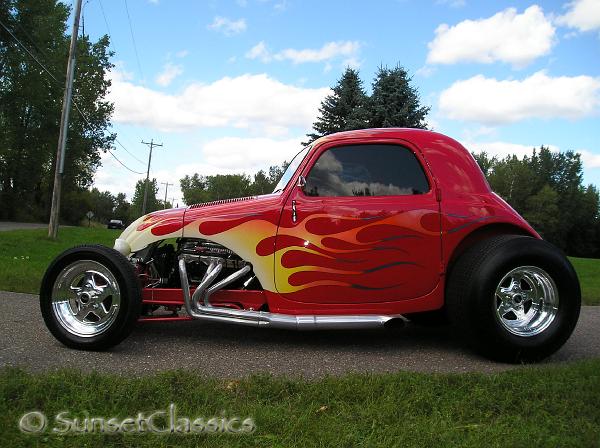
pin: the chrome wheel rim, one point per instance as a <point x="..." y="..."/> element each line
<point x="526" y="301"/>
<point x="86" y="298"/>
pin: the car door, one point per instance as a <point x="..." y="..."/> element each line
<point x="362" y="225"/>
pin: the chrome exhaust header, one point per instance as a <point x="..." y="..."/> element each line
<point x="198" y="306"/>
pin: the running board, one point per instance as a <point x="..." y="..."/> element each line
<point x="205" y="311"/>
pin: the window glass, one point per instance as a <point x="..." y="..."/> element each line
<point x="366" y="170"/>
<point x="291" y="169"/>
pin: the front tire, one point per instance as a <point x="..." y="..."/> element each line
<point x="90" y="297"/>
<point x="514" y="298"/>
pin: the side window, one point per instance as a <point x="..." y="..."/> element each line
<point x="366" y="170"/>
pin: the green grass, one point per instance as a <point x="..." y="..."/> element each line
<point x="25" y="254"/>
<point x="21" y="274"/>
<point x="588" y="270"/>
<point x="527" y="407"/>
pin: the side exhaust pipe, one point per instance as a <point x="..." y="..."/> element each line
<point x="199" y="307"/>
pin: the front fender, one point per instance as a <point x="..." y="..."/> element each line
<point x="150" y="228"/>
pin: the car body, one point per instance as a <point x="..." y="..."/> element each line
<point x="366" y="226"/>
<point x="115" y="224"/>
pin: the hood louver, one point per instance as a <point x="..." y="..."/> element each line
<point x="224" y="201"/>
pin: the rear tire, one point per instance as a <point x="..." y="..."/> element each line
<point x="514" y="298"/>
<point x="90" y="297"/>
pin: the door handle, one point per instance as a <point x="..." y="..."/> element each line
<point x="294" y="213"/>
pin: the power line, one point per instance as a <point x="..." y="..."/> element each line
<point x="83" y="116"/>
<point x="114" y="47"/>
<point x="30" y="39"/>
<point x="107" y="27"/>
<point x="137" y="58"/>
<point x="108" y="150"/>
<point x="29" y="52"/>
<point x="124" y="166"/>
<point x="128" y="152"/>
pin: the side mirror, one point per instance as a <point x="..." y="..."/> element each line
<point x="301" y="182"/>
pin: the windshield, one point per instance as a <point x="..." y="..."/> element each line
<point x="291" y="169"/>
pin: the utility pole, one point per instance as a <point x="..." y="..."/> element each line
<point x="152" y="145"/>
<point x="64" y="126"/>
<point x="166" y="184"/>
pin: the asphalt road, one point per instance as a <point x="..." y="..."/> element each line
<point x="229" y="351"/>
<point x="5" y="225"/>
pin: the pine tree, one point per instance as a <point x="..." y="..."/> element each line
<point x="344" y="109"/>
<point x="394" y="102"/>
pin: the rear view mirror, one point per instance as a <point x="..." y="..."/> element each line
<point x="301" y="182"/>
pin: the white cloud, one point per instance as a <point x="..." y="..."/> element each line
<point x="228" y="155"/>
<point x="169" y="73"/>
<point x="330" y="50"/>
<point x="259" y="51"/>
<point x="258" y="103"/>
<point x="228" y="26"/>
<point x="581" y="14"/>
<point x="507" y="36"/>
<point x="590" y="160"/>
<point x="492" y="102"/>
<point x="426" y="71"/>
<point x="249" y="154"/>
<point x="452" y="3"/>
<point x="182" y="54"/>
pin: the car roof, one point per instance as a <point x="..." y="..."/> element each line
<point x="455" y="168"/>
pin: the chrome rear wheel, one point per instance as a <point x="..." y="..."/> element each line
<point x="526" y="301"/>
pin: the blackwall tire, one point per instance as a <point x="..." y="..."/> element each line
<point x="514" y="298"/>
<point x="90" y="298"/>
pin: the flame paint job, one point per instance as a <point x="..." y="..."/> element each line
<point x="355" y="255"/>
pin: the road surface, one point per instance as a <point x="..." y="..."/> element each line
<point x="5" y="225"/>
<point x="229" y="351"/>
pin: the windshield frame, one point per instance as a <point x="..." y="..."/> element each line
<point x="288" y="174"/>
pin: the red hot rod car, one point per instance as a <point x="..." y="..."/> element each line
<point x="365" y="228"/>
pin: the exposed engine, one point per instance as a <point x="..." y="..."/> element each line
<point x="157" y="264"/>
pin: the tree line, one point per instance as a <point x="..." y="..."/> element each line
<point x="31" y="93"/>
<point x="547" y="189"/>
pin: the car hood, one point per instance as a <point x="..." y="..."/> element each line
<point x="170" y="223"/>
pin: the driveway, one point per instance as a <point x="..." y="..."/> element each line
<point x="227" y="351"/>
<point x="5" y="225"/>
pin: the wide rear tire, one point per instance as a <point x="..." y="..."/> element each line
<point x="90" y="297"/>
<point x="514" y="298"/>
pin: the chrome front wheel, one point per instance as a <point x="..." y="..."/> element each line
<point x="86" y="298"/>
<point x="90" y="297"/>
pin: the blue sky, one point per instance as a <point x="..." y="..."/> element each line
<point x="233" y="86"/>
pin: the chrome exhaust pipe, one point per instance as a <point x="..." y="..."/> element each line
<point x="261" y="318"/>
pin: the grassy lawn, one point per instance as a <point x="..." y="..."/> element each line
<point x="532" y="406"/>
<point x="21" y="274"/>
<point x="588" y="270"/>
<point x="25" y="254"/>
